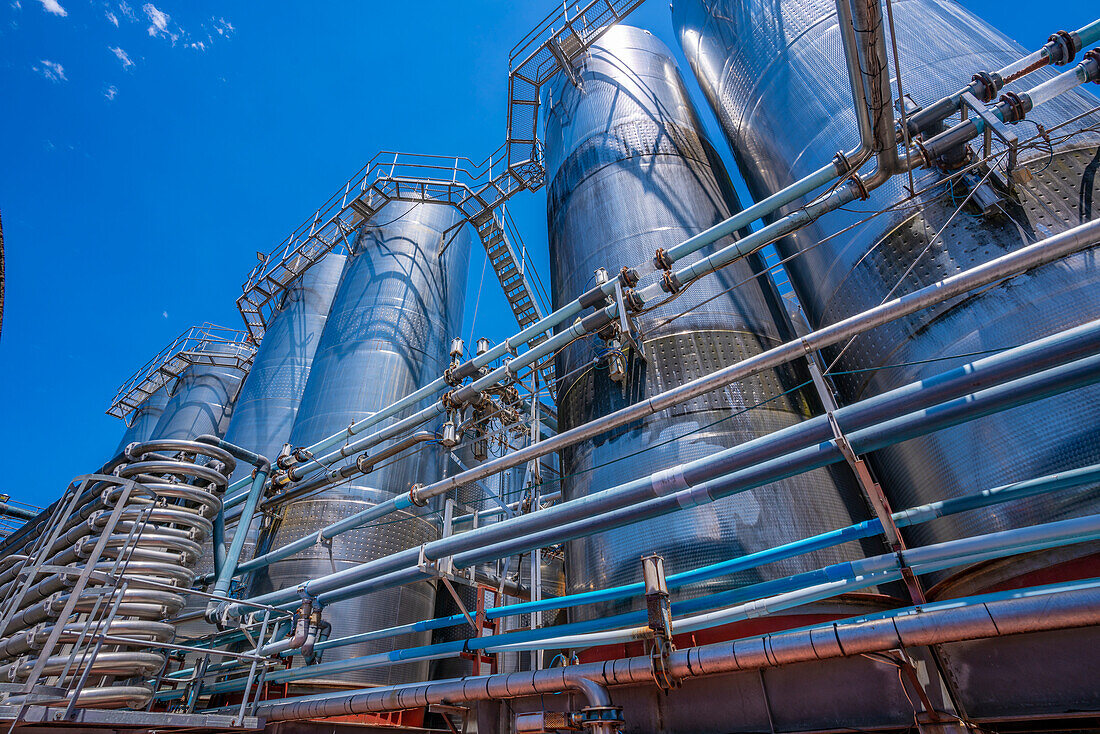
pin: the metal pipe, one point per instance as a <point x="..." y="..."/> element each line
<point x="758" y="600"/>
<point x="363" y="465"/>
<point x="1012" y="108"/>
<point x="849" y="576"/>
<point x="913" y="516"/>
<point x="659" y="486"/>
<point x="225" y="571"/>
<point x="298" y="636"/>
<point x="1061" y="606"/>
<point x="19" y="513"/>
<point x="1045" y="251"/>
<point x="763" y="461"/>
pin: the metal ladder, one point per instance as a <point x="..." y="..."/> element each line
<point x="510" y="274"/>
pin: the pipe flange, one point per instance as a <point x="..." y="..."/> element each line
<point x="841" y="163"/>
<point x="662" y="260"/>
<point x="302" y="455"/>
<point x="363" y="464"/>
<point x="414" y="496"/>
<point x="988" y="85"/>
<point x="449" y="402"/>
<point x="628" y="277"/>
<point x="1093" y="55"/>
<point x="633" y="301"/>
<point x="1063" y="49"/>
<point x="1014" y="107"/>
<point x="449" y="375"/>
<point x="592" y="717"/>
<point x="861" y="188"/>
<point x="670" y="283"/>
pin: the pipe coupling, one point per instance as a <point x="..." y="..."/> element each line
<point x="662" y="260"/>
<point x="1014" y="106"/>
<point x="1093" y="55"/>
<point x="989" y="84"/>
<point x="601" y="718"/>
<point x="1061" y="48"/>
<point x="414" y="496"/>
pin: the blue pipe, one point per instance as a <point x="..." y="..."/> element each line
<point x="914" y="516"/>
<point x="601" y="504"/>
<point x="811" y="586"/>
<point x="230" y="568"/>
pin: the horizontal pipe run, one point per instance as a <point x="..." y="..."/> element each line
<point x="629" y="504"/>
<point x="328" y="532"/>
<point x="761" y="462"/>
<point x="19" y="513"/>
<point x="1043" y="252"/>
<point x="1059" y="606"/>
<point x="839" y="578"/>
<point x="598" y="504"/>
<point x="905" y="518"/>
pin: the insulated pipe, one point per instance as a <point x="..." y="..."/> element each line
<point x="1026" y="258"/>
<point x="874" y="96"/>
<point x="19" y="513"/>
<point x="869" y="528"/>
<point x="849" y="576"/>
<point x="1086" y="35"/>
<point x="1012" y="108"/>
<point x="403" y="566"/>
<point x="1062" y="606"/>
<point x="985" y="87"/>
<point x="761" y="462"/>
<point x="877" y="97"/>
<point x="757" y="600"/>
<point x="616" y="509"/>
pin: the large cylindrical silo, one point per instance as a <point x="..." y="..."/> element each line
<point x="200" y="402"/>
<point x="143" y="421"/>
<point x="269" y="400"/>
<point x="265" y="410"/>
<point x="775" y="74"/>
<point x="392" y="320"/>
<point x="786" y="118"/>
<point x="201" y="399"/>
<point x="630" y="171"/>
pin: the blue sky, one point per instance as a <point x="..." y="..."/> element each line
<point x="148" y="150"/>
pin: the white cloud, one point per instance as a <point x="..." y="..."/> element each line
<point x="52" y="70"/>
<point x="52" y="6"/>
<point x="159" y="20"/>
<point x="113" y="18"/>
<point x="110" y="92"/>
<point x="198" y="45"/>
<point x="127" y="11"/>
<point x="121" y="56"/>
<point x="164" y="314"/>
<point x="16" y="5"/>
<point x="223" y="26"/>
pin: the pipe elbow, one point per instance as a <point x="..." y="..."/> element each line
<point x="595" y="694"/>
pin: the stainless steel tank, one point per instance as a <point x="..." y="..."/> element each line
<point x="775" y="75"/>
<point x="200" y="402"/>
<point x="630" y="171"/>
<point x="201" y="399"/>
<point x="269" y="400"/>
<point x="144" y="419"/>
<point x="392" y="320"/>
<point x="265" y="410"/>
